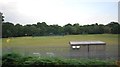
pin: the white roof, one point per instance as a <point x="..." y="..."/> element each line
<point x="87" y="43"/>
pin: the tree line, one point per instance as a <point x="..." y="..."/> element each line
<point x="42" y="29"/>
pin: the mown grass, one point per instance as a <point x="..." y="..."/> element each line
<point x="110" y="39"/>
<point x="59" y="43"/>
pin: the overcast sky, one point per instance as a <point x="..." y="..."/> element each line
<point x="60" y="12"/>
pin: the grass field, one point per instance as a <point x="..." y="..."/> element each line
<point x="59" y="44"/>
<point x="59" y="40"/>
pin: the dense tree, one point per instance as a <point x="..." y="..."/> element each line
<point x="76" y="28"/>
<point x="8" y="29"/>
<point x="18" y="29"/>
<point x="55" y="30"/>
<point x="68" y="29"/>
<point x="114" y="27"/>
<point x="42" y="29"/>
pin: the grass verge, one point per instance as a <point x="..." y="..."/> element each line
<point x="17" y="60"/>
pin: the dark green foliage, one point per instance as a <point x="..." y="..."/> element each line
<point x="114" y="27"/>
<point x="11" y="59"/>
<point x="42" y="29"/>
<point x="16" y="60"/>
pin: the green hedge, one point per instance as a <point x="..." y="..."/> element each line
<point x="16" y="60"/>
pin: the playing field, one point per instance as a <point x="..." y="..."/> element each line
<point x="57" y="45"/>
